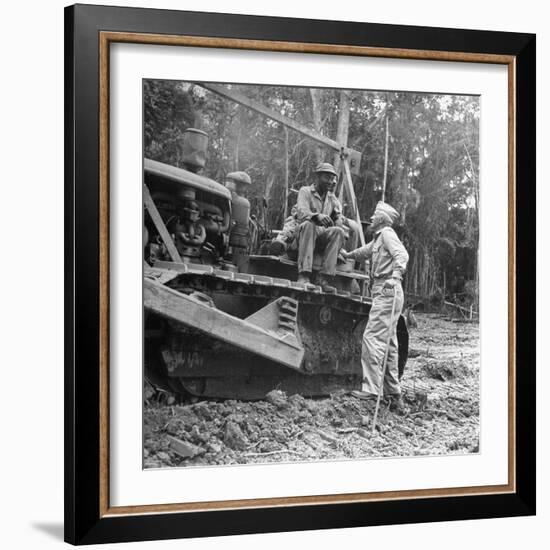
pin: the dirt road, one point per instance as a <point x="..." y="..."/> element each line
<point x="441" y="390"/>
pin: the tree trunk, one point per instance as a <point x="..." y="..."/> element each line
<point x="404" y="189"/>
<point x="267" y="195"/>
<point x="397" y="183"/>
<point x="287" y="155"/>
<point x="342" y="130"/>
<point x="315" y="96"/>
<point x="475" y="219"/>
<point x="385" y="160"/>
<point x="238" y="139"/>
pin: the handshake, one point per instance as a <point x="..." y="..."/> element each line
<point x="343" y="255"/>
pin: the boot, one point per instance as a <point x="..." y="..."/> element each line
<point x="368" y="400"/>
<point x="304" y="277"/>
<point x="277" y="247"/>
<point x="325" y="285"/>
<point x="397" y="405"/>
<point x="363" y="395"/>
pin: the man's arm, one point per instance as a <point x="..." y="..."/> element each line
<point x="361" y="253"/>
<point x="397" y="251"/>
<point x="304" y="212"/>
<point x="303" y="208"/>
<point x="336" y="214"/>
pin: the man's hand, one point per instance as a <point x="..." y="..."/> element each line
<point x="323" y="220"/>
<point x="389" y="284"/>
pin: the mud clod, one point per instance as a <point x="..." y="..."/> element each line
<point x="277" y="398"/>
<point x="234" y="437"/>
<point x="440" y="390"/>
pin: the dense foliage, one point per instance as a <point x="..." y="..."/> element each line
<point x="432" y="167"/>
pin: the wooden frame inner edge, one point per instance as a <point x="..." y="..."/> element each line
<point x="105" y="39"/>
<point x="104" y="256"/>
<point x="512" y="274"/>
<point x="300" y="47"/>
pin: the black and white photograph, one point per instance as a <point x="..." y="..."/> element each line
<point x="299" y="276"/>
<point x="310" y="274"/>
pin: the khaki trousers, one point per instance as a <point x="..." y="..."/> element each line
<point x="375" y="338"/>
<point x="328" y="240"/>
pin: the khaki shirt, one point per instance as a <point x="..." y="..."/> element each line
<point x="386" y="253"/>
<point x="310" y="203"/>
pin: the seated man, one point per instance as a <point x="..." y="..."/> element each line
<point x="281" y="243"/>
<point x="285" y="241"/>
<point x="320" y="229"/>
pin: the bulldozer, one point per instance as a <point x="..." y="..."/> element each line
<point x="223" y="318"/>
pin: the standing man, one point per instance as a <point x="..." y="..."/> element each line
<point x="388" y="259"/>
<point x="319" y="215"/>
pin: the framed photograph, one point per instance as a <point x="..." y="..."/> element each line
<point x="299" y="280"/>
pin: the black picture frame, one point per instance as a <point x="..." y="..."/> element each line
<point x="85" y="519"/>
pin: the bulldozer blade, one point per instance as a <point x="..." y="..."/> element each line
<point x="282" y="346"/>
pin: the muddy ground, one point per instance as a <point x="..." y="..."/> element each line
<point x="441" y="391"/>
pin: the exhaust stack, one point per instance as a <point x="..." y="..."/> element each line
<point x="193" y="150"/>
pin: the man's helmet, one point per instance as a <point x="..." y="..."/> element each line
<point x="239" y="177"/>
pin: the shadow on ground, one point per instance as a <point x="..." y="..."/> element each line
<point x="54" y="530"/>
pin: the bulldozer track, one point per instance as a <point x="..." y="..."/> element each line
<point x="209" y="279"/>
<point x="332" y="353"/>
